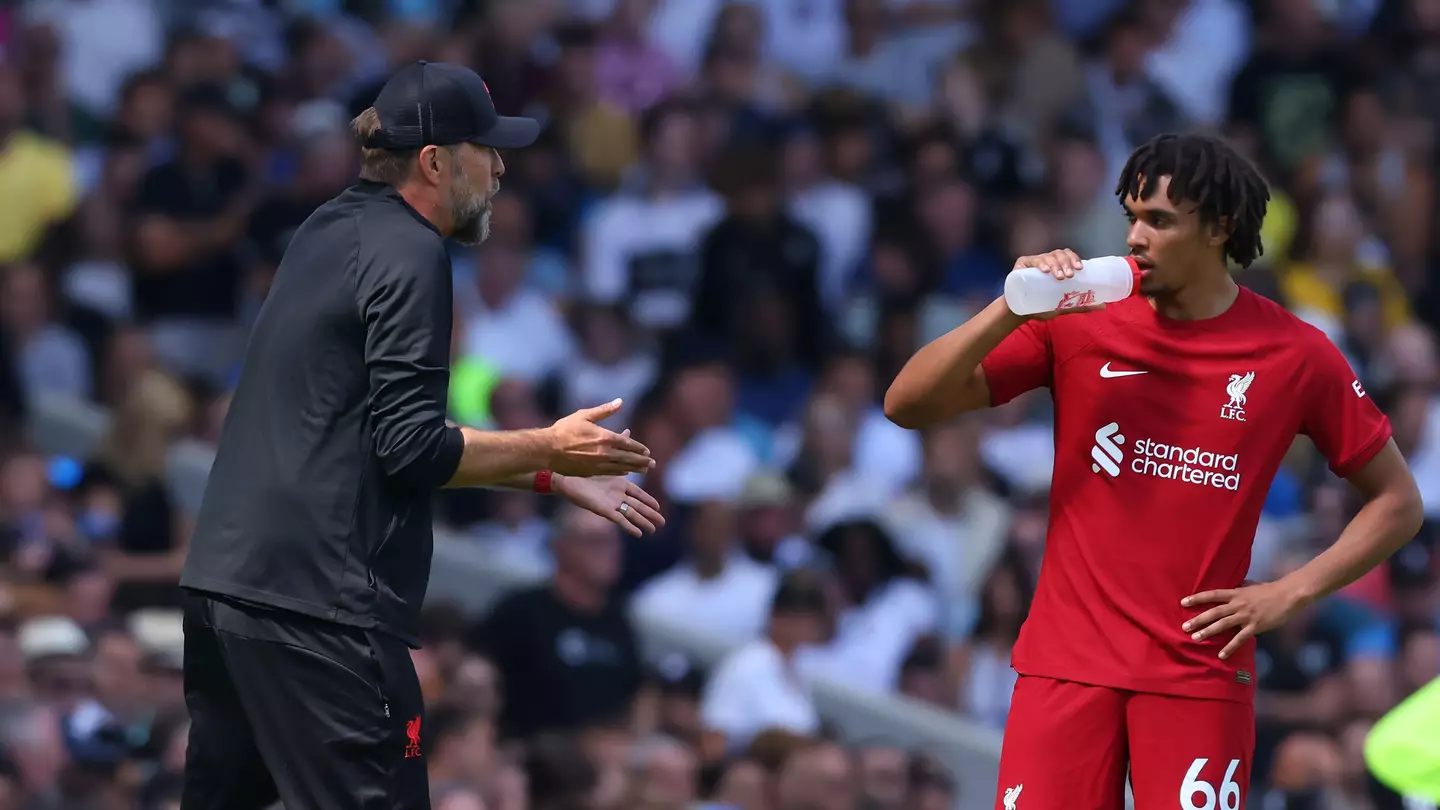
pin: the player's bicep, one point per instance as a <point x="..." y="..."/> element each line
<point x="1022" y="362"/>
<point x="1339" y="415"/>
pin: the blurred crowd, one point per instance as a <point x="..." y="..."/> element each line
<point x="742" y="217"/>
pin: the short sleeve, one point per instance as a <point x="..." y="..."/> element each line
<point x="1339" y="415"/>
<point x="1022" y="362"/>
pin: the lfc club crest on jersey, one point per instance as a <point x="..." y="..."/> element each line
<point x="1234" y="410"/>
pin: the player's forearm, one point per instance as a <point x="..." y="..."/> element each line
<point x="1387" y="522"/>
<point x="943" y="379"/>
<point x="502" y="457"/>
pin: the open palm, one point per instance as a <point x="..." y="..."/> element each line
<point x="615" y="498"/>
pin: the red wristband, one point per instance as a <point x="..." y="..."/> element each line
<point x="543" y="482"/>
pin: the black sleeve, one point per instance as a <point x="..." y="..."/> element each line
<point x="404" y="298"/>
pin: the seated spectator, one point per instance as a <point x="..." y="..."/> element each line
<point x="982" y="664"/>
<point x="559" y="775"/>
<point x="821" y="777"/>
<point x="566" y="649"/>
<point x="147" y="550"/>
<point x="716" y="589"/>
<point x="52" y="358"/>
<point x="884" y="609"/>
<point x="761" y="686"/>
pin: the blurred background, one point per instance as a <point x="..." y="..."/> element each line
<point x="743" y="217"/>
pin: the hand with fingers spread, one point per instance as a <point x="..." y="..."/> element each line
<point x="1251" y="609"/>
<point x="1061" y="264"/>
<point x="583" y="448"/>
<point x="616" y="499"/>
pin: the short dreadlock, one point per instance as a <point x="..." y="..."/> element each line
<point x="1208" y="172"/>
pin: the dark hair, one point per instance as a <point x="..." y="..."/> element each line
<point x="799" y="592"/>
<point x="1204" y="170"/>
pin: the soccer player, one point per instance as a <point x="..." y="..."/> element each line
<point x="1173" y="410"/>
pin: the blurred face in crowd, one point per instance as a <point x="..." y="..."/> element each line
<point x="703" y="396"/>
<point x="605" y="335"/>
<point x="1077" y="173"/>
<point x="830" y="434"/>
<point x="948" y="214"/>
<point x="472" y="751"/>
<point x="461" y="800"/>
<point x="666" y="781"/>
<point x="1169" y="240"/>
<point x="1419" y="660"/>
<point x="475" y="685"/>
<point x="739" y="26"/>
<point x="745" y="785"/>
<point x="952" y="454"/>
<point x="12" y="100"/>
<point x="712" y="535"/>
<point x="510" y="220"/>
<point x="587" y="547"/>
<point x="88" y="595"/>
<point x="1337" y="228"/>
<point x="672" y="151"/>
<point x="24" y="301"/>
<point x="23" y="485"/>
<point x="851" y="380"/>
<point x="514" y="407"/>
<point x="884" y="777"/>
<point x="792" y="630"/>
<point x="117" y="675"/>
<point x="818" y="778"/>
<point x="498" y="273"/>
<point x="146" y="109"/>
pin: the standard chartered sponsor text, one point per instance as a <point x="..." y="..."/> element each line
<point x="1193" y="465"/>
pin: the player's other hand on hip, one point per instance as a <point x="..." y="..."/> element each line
<point x="583" y="448"/>
<point x="1061" y="264"/>
<point x="1252" y="609"/>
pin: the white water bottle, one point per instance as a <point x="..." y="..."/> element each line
<point x="1102" y="280"/>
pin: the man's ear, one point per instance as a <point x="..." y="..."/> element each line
<point x="430" y="163"/>
<point x="1221" y="230"/>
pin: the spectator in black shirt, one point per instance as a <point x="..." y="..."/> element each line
<point x="566" y="651"/>
<point x="191" y="215"/>
<point x="758" y="252"/>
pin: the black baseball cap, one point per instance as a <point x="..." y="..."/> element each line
<point x="440" y="104"/>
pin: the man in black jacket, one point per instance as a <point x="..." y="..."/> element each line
<point x="312" y="549"/>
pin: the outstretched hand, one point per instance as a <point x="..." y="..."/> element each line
<point x="616" y="499"/>
<point x="583" y="448"/>
<point x="1249" y="610"/>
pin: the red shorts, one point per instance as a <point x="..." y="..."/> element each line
<point x="1068" y="746"/>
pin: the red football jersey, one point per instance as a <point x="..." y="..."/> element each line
<point x="1167" y="437"/>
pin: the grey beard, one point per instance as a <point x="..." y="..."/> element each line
<point x="472" y="227"/>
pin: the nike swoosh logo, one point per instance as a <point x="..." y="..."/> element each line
<point x="1106" y="373"/>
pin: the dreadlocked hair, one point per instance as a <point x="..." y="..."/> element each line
<point x="1208" y="173"/>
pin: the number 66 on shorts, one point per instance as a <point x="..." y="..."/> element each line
<point x="1070" y="746"/>
<point x="1198" y="794"/>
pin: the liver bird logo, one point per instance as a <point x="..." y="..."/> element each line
<point x="1236" y="388"/>
<point x="1012" y="795"/>
<point x="412" y="730"/>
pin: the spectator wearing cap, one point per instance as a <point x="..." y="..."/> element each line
<point x="716" y="589"/>
<point x="57" y="658"/>
<point x="761" y="685"/>
<point x="190" y="216"/>
<point x="884" y="608"/>
<point x="769" y="522"/>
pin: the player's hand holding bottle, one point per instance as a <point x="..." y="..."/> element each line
<point x="583" y="448"/>
<point x="1036" y="299"/>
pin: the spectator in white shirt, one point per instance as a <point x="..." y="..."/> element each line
<point x="759" y="686"/>
<point x="717" y="589"/>
<point x="512" y="327"/>
<point x="885" y="608"/>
